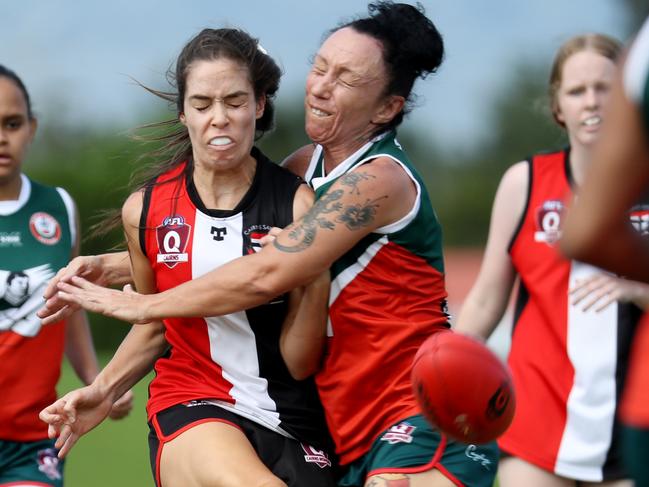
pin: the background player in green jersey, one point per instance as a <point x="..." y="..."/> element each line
<point x="38" y="233"/>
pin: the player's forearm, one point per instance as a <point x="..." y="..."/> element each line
<point x="304" y="330"/>
<point x="133" y="359"/>
<point x="619" y="246"/>
<point x="241" y="284"/>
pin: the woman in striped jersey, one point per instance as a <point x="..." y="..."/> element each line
<point x="573" y="323"/>
<point x="228" y="406"/>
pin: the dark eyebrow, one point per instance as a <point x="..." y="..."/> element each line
<point x="236" y="94"/>
<point x="15" y="116"/>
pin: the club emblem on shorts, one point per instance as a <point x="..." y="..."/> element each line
<point x="639" y="217"/>
<point x="48" y="463"/>
<point x="172" y="237"/>
<point x="320" y="458"/>
<point x="399" y="433"/>
<point x="45" y="228"/>
<point x="548" y="221"/>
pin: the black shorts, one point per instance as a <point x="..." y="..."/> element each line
<point x="296" y="463"/>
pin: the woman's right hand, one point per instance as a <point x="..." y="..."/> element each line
<point x="55" y="309"/>
<point x="74" y="414"/>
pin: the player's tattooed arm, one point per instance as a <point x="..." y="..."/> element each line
<point x="329" y="210"/>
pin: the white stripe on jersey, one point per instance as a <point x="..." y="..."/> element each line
<point x="232" y="341"/>
<point x="636" y="67"/>
<point x="69" y="206"/>
<point x="592" y="349"/>
<point x="350" y="273"/>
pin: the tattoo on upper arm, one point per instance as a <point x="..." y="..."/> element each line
<point x="328" y="210"/>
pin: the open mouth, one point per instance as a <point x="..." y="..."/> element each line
<point x="593" y="121"/>
<point x="318" y="112"/>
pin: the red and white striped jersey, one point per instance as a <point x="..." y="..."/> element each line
<point x="233" y="360"/>
<point x="568" y="364"/>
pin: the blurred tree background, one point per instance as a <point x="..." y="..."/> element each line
<point x="95" y="163"/>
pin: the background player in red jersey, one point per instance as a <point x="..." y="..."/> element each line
<point x="223" y="409"/>
<point x="597" y="231"/>
<point x="372" y="223"/>
<point x="569" y="341"/>
<point x="40" y="232"/>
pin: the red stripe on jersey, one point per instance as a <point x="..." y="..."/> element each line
<point x="188" y="373"/>
<point x="384" y="328"/>
<point x="539" y="339"/>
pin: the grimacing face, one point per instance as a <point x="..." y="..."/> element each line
<point x="16" y="130"/>
<point x="345" y="90"/>
<point x="220" y="111"/>
<point x="586" y="79"/>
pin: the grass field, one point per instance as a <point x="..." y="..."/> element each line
<point x="116" y="452"/>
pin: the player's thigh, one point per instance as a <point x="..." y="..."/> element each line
<point x="213" y="454"/>
<point x="431" y="478"/>
<point x="608" y="483"/>
<point x="515" y="472"/>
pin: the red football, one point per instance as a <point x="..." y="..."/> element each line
<point x="463" y="388"/>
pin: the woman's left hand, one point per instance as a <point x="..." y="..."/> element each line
<point x="601" y="289"/>
<point x="126" y="305"/>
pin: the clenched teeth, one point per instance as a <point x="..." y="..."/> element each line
<point x="221" y="141"/>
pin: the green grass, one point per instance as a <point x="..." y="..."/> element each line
<point x="114" y="453"/>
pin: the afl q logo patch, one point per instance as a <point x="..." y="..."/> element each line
<point x="172" y="237"/>
<point x="45" y="228"/>
<point x="548" y="221"/>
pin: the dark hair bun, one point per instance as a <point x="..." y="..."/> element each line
<point x="417" y="44"/>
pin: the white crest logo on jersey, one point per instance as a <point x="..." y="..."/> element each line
<point x="548" y="221"/>
<point x="172" y="237"/>
<point x="45" y="228"/>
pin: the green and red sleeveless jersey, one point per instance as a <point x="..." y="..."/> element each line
<point x="387" y="296"/>
<point x="36" y="239"/>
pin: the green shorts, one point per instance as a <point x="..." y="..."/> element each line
<point x="635" y="443"/>
<point x="414" y="446"/>
<point x="32" y="463"/>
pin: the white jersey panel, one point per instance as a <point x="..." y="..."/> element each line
<point x="592" y="349"/>
<point x="232" y="341"/>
